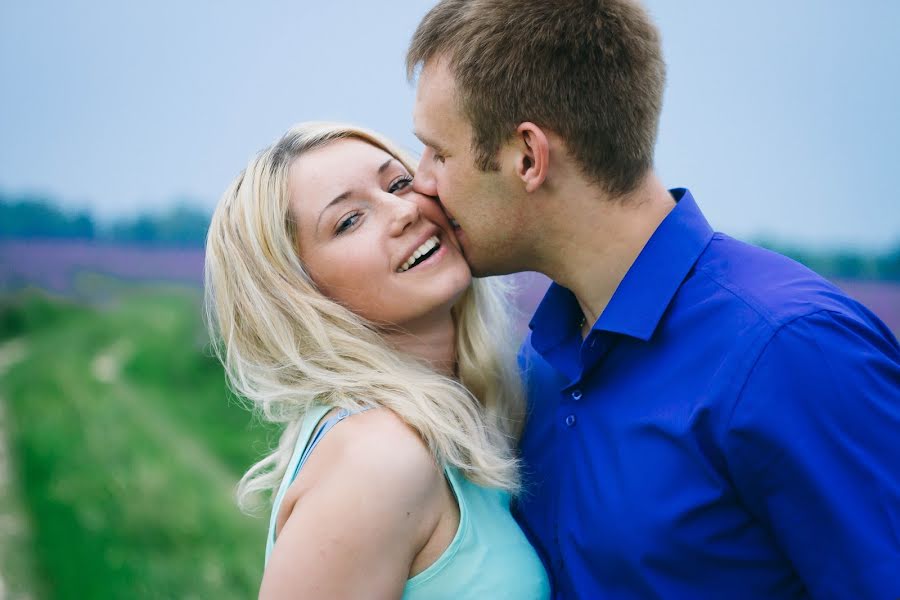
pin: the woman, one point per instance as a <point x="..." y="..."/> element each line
<point x="334" y="288"/>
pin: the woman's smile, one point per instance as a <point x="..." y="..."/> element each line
<point x="354" y="207"/>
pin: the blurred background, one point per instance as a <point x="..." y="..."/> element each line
<point x="120" y="125"/>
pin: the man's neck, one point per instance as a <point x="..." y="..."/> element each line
<point x="590" y="245"/>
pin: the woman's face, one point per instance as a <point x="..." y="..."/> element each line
<point x="360" y="227"/>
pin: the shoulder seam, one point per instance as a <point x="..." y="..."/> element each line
<point x="748" y="300"/>
<point x="774" y="333"/>
<point x="735" y="291"/>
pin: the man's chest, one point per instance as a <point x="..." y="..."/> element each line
<point x="624" y="471"/>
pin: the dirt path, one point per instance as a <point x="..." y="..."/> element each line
<point x="17" y="569"/>
<point x="106" y="368"/>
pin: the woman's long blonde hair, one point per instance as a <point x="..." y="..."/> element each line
<point x="286" y="347"/>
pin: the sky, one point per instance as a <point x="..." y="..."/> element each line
<point x="783" y="118"/>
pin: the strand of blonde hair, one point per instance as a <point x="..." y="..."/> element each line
<point x="286" y="347"/>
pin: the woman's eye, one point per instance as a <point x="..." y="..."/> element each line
<point x="347" y="222"/>
<point x="400" y="183"/>
<point x="438" y="158"/>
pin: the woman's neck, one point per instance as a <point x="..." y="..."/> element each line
<point x="434" y="342"/>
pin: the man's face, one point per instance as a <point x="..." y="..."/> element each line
<point x="478" y="201"/>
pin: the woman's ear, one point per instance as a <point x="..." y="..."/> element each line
<point x="533" y="161"/>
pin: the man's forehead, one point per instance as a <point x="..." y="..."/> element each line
<point x="435" y="113"/>
<point x="436" y="80"/>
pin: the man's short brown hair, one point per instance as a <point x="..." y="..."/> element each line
<point x="589" y="70"/>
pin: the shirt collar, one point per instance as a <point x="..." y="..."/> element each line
<point x="638" y="304"/>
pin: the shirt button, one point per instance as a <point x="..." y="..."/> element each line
<point x="576" y="395"/>
<point x="570" y="420"/>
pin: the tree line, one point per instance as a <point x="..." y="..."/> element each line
<point x="29" y="217"/>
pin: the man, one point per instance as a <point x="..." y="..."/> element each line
<point x="707" y="419"/>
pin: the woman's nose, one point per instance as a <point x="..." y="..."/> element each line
<point x="404" y="212"/>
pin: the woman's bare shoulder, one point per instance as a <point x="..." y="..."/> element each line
<point x="372" y="443"/>
<point x="365" y="502"/>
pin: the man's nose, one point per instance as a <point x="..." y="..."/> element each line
<point x="424" y="182"/>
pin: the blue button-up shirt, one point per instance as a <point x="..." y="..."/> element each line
<point x="729" y="428"/>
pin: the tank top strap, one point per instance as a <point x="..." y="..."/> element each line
<point x="302" y="449"/>
<point x="320" y="433"/>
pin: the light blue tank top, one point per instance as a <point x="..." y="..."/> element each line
<point x="489" y="556"/>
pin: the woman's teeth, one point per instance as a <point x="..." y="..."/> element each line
<point x="429" y="245"/>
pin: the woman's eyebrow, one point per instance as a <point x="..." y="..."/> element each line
<point x="337" y="200"/>
<point x="344" y="196"/>
<point x="386" y="164"/>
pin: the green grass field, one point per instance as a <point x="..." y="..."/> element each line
<point x="125" y="448"/>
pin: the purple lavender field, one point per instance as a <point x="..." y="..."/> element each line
<point x="55" y="266"/>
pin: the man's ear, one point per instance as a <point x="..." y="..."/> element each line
<point x="533" y="161"/>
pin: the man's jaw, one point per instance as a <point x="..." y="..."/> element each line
<point x="454" y="224"/>
<point x="447" y="214"/>
<point x="460" y="238"/>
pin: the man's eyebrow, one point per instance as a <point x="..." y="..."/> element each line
<point x="342" y="197"/>
<point x="428" y="142"/>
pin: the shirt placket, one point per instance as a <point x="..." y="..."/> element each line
<point x="595" y="347"/>
<point x="566" y="422"/>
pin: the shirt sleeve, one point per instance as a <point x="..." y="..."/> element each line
<point x="814" y="451"/>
